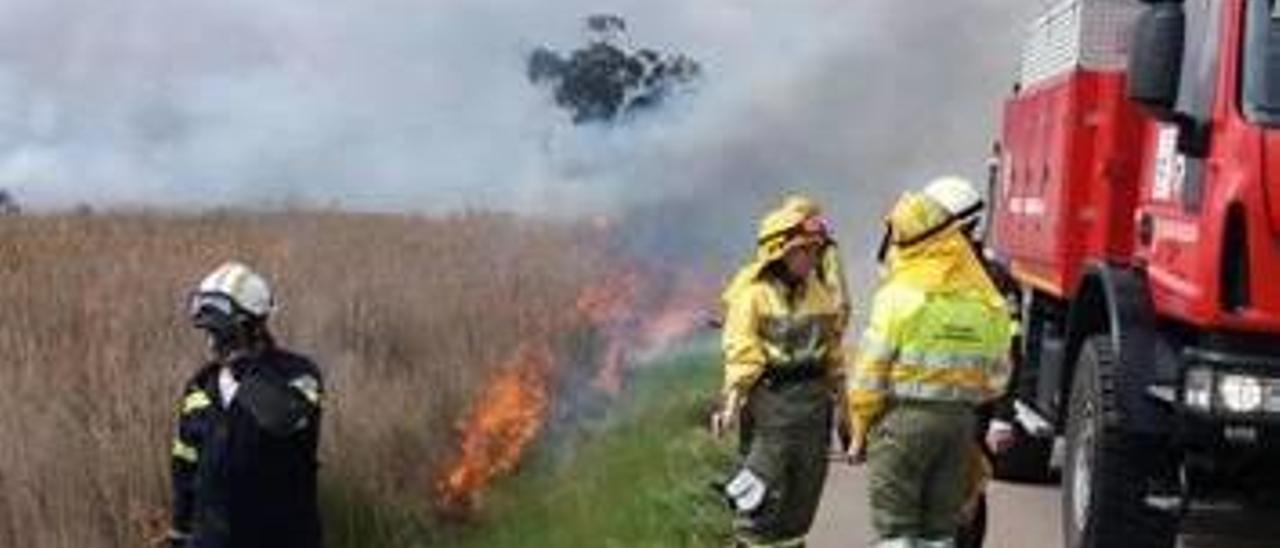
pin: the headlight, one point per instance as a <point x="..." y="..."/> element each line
<point x="1198" y="391"/>
<point x="1241" y="393"/>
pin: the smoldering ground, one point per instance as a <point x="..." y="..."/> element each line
<point x="422" y="105"/>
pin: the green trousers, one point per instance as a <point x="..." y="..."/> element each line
<point x="786" y="446"/>
<point x="918" y="462"/>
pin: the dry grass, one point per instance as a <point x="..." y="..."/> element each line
<point x="405" y="315"/>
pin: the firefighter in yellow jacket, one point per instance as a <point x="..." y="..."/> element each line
<point x="782" y="358"/>
<point x="830" y="268"/>
<point x="935" y="347"/>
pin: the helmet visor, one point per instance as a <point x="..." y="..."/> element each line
<point x="213" y="311"/>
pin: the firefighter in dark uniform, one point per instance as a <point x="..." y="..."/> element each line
<point x="244" y="459"/>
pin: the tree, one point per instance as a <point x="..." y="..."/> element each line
<point x="607" y="78"/>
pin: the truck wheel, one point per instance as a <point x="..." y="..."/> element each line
<point x="1028" y="460"/>
<point x="1107" y="470"/>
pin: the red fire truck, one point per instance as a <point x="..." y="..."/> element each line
<point x="1136" y="200"/>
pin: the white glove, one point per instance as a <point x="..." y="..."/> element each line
<point x="1000" y="436"/>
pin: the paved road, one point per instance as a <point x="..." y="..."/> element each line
<point x="843" y="521"/>
<point x="1021" y="517"/>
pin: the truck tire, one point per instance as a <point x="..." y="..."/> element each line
<point x="1107" y="470"/>
<point x="1027" y="461"/>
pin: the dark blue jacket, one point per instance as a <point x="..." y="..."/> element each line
<point x="244" y="475"/>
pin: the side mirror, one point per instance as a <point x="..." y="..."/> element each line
<point x="1155" y="59"/>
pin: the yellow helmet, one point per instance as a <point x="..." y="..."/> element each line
<point x="915" y="218"/>
<point x="802" y="203"/>
<point x="794" y="224"/>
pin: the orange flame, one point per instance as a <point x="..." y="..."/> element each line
<point x="641" y="313"/>
<point x="683" y="312"/>
<point x="610" y="307"/>
<point x="507" y="416"/>
<point x="611" y="300"/>
<point x="609" y="379"/>
<point x="671" y="324"/>
<point x="630" y="309"/>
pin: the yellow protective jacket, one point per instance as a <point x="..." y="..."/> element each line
<point x="830" y="271"/>
<point x="765" y="329"/>
<point x="938" y="331"/>
<point x="772" y="243"/>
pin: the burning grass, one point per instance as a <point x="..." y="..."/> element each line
<point x="409" y="318"/>
<point x="582" y="351"/>
<point x="508" y="414"/>
<point x="449" y="346"/>
<point x="643" y="481"/>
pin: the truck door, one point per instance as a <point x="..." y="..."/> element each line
<point x="1176" y="185"/>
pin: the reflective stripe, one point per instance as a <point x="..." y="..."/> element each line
<point x="782" y="357"/>
<point x="973" y="377"/>
<point x="195" y="401"/>
<point x="937" y="360"/>
<point x="870" y="375"/>
<point x="872" y="369"/>
<point x="923" y="382"/>
<point x="182" y="451"/>
<point x="873" y="348"/>
<point x="938" y="392"/>
<point x="790" y="339"/>
<point x="309" y="387"/>
<point x="870" y="384"/>
<point x="908" y="542"/>
<point x="789" y="543"/>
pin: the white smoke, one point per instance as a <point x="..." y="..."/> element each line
<point x="423" y="104"/>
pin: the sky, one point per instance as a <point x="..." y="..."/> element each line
<point x="422" y="105"/>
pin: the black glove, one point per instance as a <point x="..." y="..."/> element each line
<point x="277" y="408"/>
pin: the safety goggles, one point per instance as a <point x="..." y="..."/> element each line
<point x="969" y="219"/>
<point x="812" y="226"/>
<point x="212" y="310"/>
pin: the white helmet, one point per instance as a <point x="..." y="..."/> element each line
<point x="233" y="288"/>
<point x="956" y="195"/>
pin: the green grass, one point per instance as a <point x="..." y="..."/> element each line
<point x="353" y="519"/>
<point x="642" y="480"/>
<point x="638" y="477"/>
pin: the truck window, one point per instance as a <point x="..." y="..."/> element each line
<point x="1262" y="62"/>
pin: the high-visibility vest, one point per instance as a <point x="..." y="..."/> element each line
<point x="929" y="346"/>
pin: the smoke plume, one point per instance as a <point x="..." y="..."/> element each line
<point x="423" y="105"/>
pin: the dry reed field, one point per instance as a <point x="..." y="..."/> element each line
<point x="407" y="317"/>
